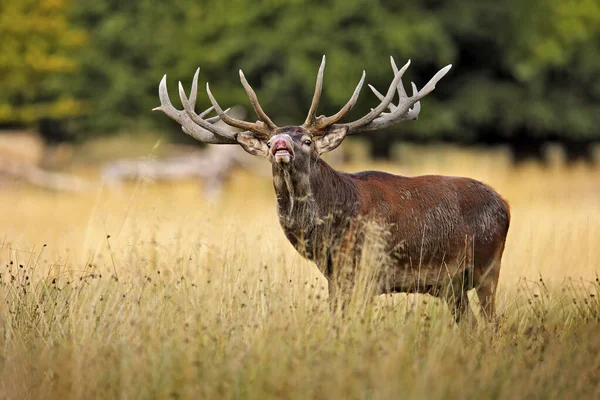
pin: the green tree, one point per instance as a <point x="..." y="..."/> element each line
<point x="523" y="69"/>
<point x="526" y="68"/>
<point x="278" y="45"/>
<point x="38" y="45"/>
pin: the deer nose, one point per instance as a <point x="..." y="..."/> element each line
<point x="280" y="144"/>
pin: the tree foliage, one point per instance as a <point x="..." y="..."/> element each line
<point x="38" y="45"/>
<point x="278" y="45"/>
<point x="526" y="67"/>
<point x="522" y="68"/>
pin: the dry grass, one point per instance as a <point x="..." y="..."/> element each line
<point x="192" y="299"/>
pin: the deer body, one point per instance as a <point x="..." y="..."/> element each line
<point x="439" y="232"/>
<point x="439" y="227"/>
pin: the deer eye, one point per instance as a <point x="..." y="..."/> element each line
<point x="308" y="142"/>
<point x="269" y="144"/>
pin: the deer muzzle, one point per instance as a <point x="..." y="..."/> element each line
<point x="282" y="150"/>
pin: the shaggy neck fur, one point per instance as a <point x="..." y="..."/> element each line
<point x="314" y="201"/>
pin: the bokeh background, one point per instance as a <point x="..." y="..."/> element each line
<point x="526" y="72"/>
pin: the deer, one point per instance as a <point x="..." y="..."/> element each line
<point x="440" y="232"/>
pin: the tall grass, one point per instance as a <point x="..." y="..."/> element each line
<point x="156" y="292"/>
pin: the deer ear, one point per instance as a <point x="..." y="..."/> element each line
<point x="331" y="139"/>
<point x="253" y="144"/>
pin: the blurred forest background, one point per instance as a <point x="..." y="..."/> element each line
<point x="526" y="72"/>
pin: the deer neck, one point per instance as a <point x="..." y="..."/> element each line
<point x="313" y="202"/>
<point x="295" y="192"/>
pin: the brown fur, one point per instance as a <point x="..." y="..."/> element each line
<point x="440" y="230"/>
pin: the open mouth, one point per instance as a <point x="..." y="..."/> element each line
<point x="281" y="152"/>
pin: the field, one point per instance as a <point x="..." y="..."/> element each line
<point x="154" y="291"/>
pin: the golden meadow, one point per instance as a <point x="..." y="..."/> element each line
<point x="155" y="291"/>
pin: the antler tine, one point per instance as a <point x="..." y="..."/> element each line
<point x="403" y="110"/>
<point x="257" y="127"/>
<point x="407" y="108"/>
<point x="324" y="122"/>
<point x="400" y="87"/>
<point x="381" y="97"/>
<point x="194" y="96"/>
<point x="312" y="112"/>
<point x="367" y="119"/>
<point x="194" y="89"/>
<point x="413" y="113"/>
<point x="428" y="88"/>
<point x="189" y="109"/>
<point x="255" y="104"/>
<point x="210" y="120"/>
<point x="206" y="112"/>
<point x="205" y="132"/>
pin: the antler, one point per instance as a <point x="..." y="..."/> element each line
<point x="317" y="124"/>
<point x="191" y="123"/>
<point x="256" y="105"/>
<point x="203" y="129"/>
<point x="376" y="118"/>
<point x="259" y="127"/>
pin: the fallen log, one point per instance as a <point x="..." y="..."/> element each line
<point x="41" y="178"/>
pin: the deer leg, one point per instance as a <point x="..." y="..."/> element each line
<point x="458" y="303"/>
<point x="486" y="282"/>
<point x="485" y="293"/>
<point x="340" y="273"/>
<point x="335" y="296"/>
<point x="456" y="294"/>
<point x="339" y="296"/>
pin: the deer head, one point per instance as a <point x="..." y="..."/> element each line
<point x="295" y="146"/>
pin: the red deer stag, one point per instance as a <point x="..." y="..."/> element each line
<point x="437" y="228"/>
